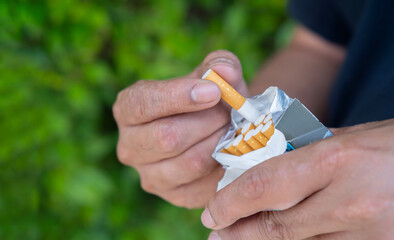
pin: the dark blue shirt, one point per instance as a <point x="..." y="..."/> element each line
<point x="364" y="89"/>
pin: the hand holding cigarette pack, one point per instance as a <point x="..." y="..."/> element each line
<point x="262" y="127"/>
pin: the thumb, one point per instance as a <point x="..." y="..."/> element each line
<point x="227" y="65"/>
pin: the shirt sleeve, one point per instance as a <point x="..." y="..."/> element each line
<point x="322" y="17"/>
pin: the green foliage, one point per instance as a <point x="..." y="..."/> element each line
<point x="62" y="63"/>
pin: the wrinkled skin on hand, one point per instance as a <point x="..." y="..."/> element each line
<point x="168" y="130"/>
<point x="338" y="188"/>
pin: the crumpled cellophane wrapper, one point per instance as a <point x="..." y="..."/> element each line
<point x="273" y="101"/>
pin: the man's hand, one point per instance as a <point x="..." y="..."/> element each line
<point x="168" y="130"/>
<point x="338" y="188"/>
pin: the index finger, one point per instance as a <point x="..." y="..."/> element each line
<point x="278" y="183"/>
<point x="145" y="101"/>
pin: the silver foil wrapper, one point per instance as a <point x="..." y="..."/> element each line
<point x="296" y="124"/>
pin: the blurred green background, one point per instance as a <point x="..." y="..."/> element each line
<point x="62" y="63"/>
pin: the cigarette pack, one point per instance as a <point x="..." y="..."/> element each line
<point x="294" y="127"/>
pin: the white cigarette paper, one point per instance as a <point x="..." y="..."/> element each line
<point x="232" y="97"/>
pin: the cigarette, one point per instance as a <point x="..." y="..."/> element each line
<point x="232" y="97"/>
<point x="239" y="131"/>
<point x="247" y="127"/>
<point x="232" y="150"/>
<point x="259" y="135"/>
<point x="269" y="117"/>
<point x="240" y="125"/>
<point x="224" y="151"/>
<point x="252" y="141"/>
<point x="268" y="129"/>
<point x="259" y="120"/>
<point x="241" y="145"/>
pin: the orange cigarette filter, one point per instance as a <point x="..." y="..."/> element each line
<point x="241" y="145"/>
<point x="229" y="94"/>
<point x="259" y="135"/>
<point x="268" y="129"/>
<point x="238" y="132"/>
<point x="252" y="141"/>
<point x="232" y="97"/>
<point x="224" y="151"/>
<point x="232" y="150"/>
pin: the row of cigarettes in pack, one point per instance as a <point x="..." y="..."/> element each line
<point x="257" y="129"/>
<point x="251" y="136"/>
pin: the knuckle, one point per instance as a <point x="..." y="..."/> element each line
<point x="271" y="226"/>
<point x="362" y="209"/>
<point x="187" y="202"/>
<point x="198" y="163"/>
<point x="217" y="206"/>
<point x="168" y="135"/>
<point x="147" y="185"/>
<point x="331" y="155"/>
<point x="179" y="198"/>
<point x="116" y="108"/>
<point x="179" y="202"/>
<point x="135" y="101"/>
<point x="131" y="102"/>
<point x="256" y="184"/>
<point x="123" y="154"/>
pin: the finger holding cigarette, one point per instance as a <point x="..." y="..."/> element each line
<point x="232" y="97"/>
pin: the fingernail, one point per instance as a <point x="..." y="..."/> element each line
<point x="220" y="61"/>
<point x="205" y="92"/>
<point x="207" y="220"/>
<point x="214" y="236"/>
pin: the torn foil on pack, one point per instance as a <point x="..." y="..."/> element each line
<point x="295" y="126"/>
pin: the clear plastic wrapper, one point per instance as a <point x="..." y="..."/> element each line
<point x="295" y="126"/>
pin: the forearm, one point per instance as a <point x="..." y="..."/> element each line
<point x="305" y="70"/>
